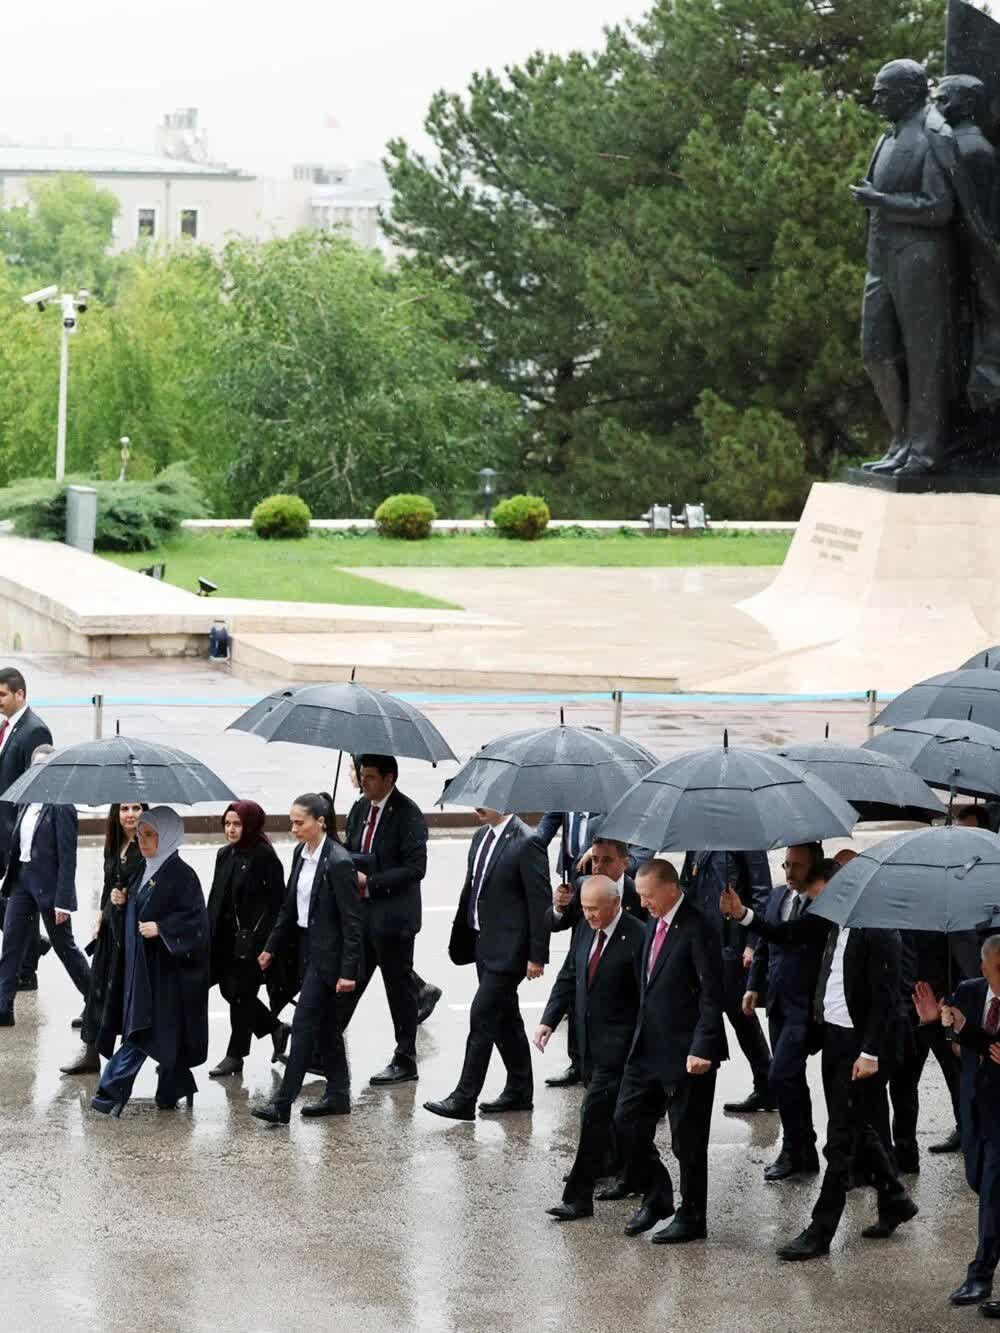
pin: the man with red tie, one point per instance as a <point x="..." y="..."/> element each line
<point x="678" y="1045"/>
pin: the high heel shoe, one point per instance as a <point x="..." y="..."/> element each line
<point x="172" y="1106"/>
<point x="107" y="1105"/>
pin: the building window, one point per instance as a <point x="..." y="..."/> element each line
<point x="147" y="224"/>
<point x="189" y="223"/>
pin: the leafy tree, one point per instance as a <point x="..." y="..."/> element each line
<point x="63" y="234"/>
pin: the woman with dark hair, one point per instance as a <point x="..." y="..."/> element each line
<point x="246" y="897"/>
<point x="158" y="995"/>
<point x="122" y="860"/>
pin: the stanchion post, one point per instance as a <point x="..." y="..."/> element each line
<point x="98" y="701"/>
<point x="872" y="697"/>
<point x="617" y="725"/>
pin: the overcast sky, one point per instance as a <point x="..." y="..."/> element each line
<point x="266" y="75"/>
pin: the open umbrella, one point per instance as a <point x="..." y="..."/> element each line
<point x="959" y="756"/>
<point x="877" y="785"/>
<point x="118" y="768"/>
<point x="728" y="800"/>
<point x="989" y="659"/>
<point x="952" y="694"/>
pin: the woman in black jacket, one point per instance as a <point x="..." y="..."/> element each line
<point x="247" y="893"/>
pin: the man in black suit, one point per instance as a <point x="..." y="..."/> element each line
<point x="500" y="926"/>
<point x="856" y="1001"/>
<point x="387" y="839"/>
<point x="599" y="984"/>
<point x="678" y="1045"/>
<point x="40" y="881"/>
<point x="22" y="731"/>
<point x="785" y="973"/>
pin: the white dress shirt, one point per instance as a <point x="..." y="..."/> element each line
<point x="608" y="932"/>
<point x="12" y="722"/>
<point x="835" y="1009"/>
<point x="990" y="996"/>
<point x="378" y="808"/>
<point x="307" y="877"/>
<point x="791" y="898"/>
<point x="484" y="857"/>
<point x="29" y="822"/>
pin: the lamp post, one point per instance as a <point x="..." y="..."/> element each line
<point x="124" y="442"/>
<point x="487" y="488"/>
<point x="70" y="306"/>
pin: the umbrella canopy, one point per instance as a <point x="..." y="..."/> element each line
<point x="943" y="879"/>
<point x="728" y="800"/>
<point x="550" y="768"/>
<point x="118" y="769"/>
<point x="877" y="785"/>
<point x="347" y="716"/>
<point x="946" y="753"/>
<point x="961" y="694"/>
<point x="989" y="659"/>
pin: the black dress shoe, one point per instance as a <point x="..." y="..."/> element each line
<point x="279" y="1041"/>
<point x="781" y="1168"/>
<point x="680" y="1231"/>
<point x="571" y="1212"/>
<point x="274" y="1115"/>
<point x="27" y="981"/>
<point x="76" y="1023"/>
<point x="647" y="1216"/>
<point x="87" y="1062"/>
<point x="990" y="1309"/>
<point x="507" y="1101"/>
<point x="6" y="1018"/>
<point x="953" y="1143"/>
<point x="611" y="1193"/>
<point x="338" y="1104"/>
<point x="907" y="1157"/>
<point x="427" y="999"/>
<point x="452" y="1108"/>
<point x="757" y="1101"/>
<point x="229" y="1064"/>
<point x="973" y="1291"/>
<point x="394" y="1072"/>
<point x="569" y="1078"/>
<point x="810" y="1244"/>
<point x="891" y="1215"/>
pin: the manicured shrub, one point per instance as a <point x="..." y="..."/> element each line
<point x="281" y="518"/>
<point x="406" y="516"/>
<point x="522" y="516"/>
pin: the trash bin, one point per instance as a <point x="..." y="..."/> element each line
<point x="81" y="517"/>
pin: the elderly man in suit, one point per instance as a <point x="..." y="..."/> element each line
<point x="500" y="926"/>
<point x="599" y="985"/>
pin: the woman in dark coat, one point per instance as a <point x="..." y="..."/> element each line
<point x="158" y="997"/>
<point x="122" y="860"/>
<point x="247" y="893"/>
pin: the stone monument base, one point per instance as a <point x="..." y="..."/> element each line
<point x="947" y="483"/>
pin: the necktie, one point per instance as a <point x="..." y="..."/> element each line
<point x="477" y="879"/>
<point x="3" y="729"/>
<point x="993" y="1016"/>
<point x="595" y="957"/>
<point x="366" y="845"/>
<point x="796" y="911"/>
<point x="658" y="938"/>
<point x="825" y="967"/>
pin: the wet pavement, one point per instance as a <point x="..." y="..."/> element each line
<point x="393" y="1220"/>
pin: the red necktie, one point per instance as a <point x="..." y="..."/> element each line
<point x="3" y="729"/>
<point x="366" y="846"/>
<point x="595" y="958"/>
<point x="658" y="938"/>
<point x="993" y="1016"/>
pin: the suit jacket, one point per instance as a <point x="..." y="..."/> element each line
<point x="334" y="915"/>
<point x="680" y="1010"/>
<point x="513" y="899"/>
<point x="906" y="167"/>
<point x="703" y="877"/>
<point x="552" y="823"/>
<point x="15" y="758"/>
<point x="604" y="1012"/>
<point x="395" y="865"/>
<point x="980" y="1077"/>
<point x="785" y="971"/>
<point x="573" y="914"/>
<point x="248" y="892"/>
<point x="52" y="878"/>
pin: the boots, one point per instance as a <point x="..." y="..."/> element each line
<point x="87" y="1062"/>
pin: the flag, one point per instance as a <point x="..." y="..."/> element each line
<point x="973" y="47"/>
<point x="331" y="122"/>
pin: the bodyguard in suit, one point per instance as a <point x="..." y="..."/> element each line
<point x="676" y="1050"/>
<point x="40" y="881"/>
<point x="500" y="926"/>
<point x="387" y="839"/>
<point x="599" y="985"/>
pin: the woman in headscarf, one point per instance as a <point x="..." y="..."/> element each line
<point x="159" y="993"/>
<point x="247" y="892"/>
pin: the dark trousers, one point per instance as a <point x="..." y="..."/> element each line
<point x="495" y="1020"/>
<point x="982" y="1171"/>
<point x="249" y="1017"/>
<point x="788" y="1083"/>
<point x="21" y="931"/>
<point x="318" y="1022"/>
<point x="904" y="1083"/>
<point x="120" y="1074"/>
<point x="597" y="1134"/>
<point x="641" y="1104"/>
<point x="748" y="1031"/>
<point x="393" y="954"/>
<point x="853" y="1141"/>
<point x="572" y="1045"/>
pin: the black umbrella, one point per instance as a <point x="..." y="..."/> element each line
<point x="877" y="785"/>
<point x="550" y="768"/>
<point x="959" y="756"/>
<point x="989" y="659"/>
<point x="959" y="694"/>
<point x="728" y="800"/>
<point x="118" y="769"/>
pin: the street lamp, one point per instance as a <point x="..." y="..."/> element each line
<point x="70" y="306"/>
<point x="487" y="487"/>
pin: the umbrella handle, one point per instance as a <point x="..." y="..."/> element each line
<point x="336" y="780"/>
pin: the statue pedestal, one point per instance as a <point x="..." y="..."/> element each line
<point x="962" y="483"/>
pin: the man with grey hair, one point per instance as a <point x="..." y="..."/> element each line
<point x="599" y="986"/>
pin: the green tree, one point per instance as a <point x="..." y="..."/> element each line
<point x="63" y="234"/>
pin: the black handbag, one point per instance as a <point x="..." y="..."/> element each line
<point x="244" y="942"/>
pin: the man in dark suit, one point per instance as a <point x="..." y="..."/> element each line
<point x="500" y="926"/>
<point x="599" y="984"/>
<point x="40" y="881"/>
<point x="22" y="731"/>
<point x="387" y="839"/>
<point x="678" y="1044"/>
<point x="785" y="973"/>
<point x="703" y="877"/>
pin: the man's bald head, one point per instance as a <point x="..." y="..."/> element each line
<point x="599" y="901"/>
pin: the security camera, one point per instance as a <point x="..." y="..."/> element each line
<point x="69" y="324"/>
<point x="40" y="297"/>
<point x="69" y="313"/>
<point x="82" y="299"/>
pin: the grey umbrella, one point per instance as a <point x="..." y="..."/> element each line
<point x="118" y="769"/>
<point x="989" y="659"/>
<point x="728" y="800"/>
<point x="959" y="756"/>
<point x="877" y="785"/>
<point x="960" y="694"/>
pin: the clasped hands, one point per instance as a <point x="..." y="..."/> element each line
<point x="929" y="1009"/>
<point x="865" y="194"/>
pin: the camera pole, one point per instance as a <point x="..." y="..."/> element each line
<point x="63" y="390"/>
